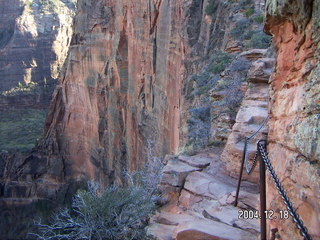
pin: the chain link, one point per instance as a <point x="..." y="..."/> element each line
<point x="296" y="218"/>
<point x="249" y="169"/>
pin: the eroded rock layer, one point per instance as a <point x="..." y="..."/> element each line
<point x="294" y="115"/>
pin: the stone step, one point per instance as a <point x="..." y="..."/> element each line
<point x="196" y="161"/>
<point x="255" y="102"/>
<point x="192" y="225"/>
<point x="254" y="54"/>
<point x="207" y="186"/>
<point x="203" y="184"/>
<point x="230" y="215"/>
<point x="244" y="130"/>
<point x="175" y="172"/>
<point x="257" y="92"/>
<point x="252" y="115"/>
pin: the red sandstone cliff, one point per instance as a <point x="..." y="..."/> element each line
<point x="123" y="84"/>
<point x="121" y="87"/>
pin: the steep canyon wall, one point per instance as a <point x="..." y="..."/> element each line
<point x="124" y="84"/>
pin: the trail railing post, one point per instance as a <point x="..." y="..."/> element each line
<point x="263" y="220"/>
<point x="240" y="176"/>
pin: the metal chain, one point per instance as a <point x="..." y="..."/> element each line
<point x="249" y="169"/>
<point x="296" y="218"/>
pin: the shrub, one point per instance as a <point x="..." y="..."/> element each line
<point x="248" y="35"/>
<point x="23" y="89"/>
<point x="202" y="113"/>
<point x="240" y="28"/>
<point x="29" y="3"/>
<point x="249" y="12"/>
<point x="219" y="62"/>
<point x="20" y="128"/>
<point x="259" y="18"/>
<point x="203" y="83"/>
<point x="198" y="127"/>
<point x="115" y="213"/>
<point x="245" y="3"/>
<point x="232" y="100"/>
<point x="212" y="7"/>
<point x="259" y="40"/>
<point x="5" y="36"/>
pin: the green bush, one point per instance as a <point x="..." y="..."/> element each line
<point x="249" y="12"/>
<point x="240" y="28"/>
<point x="22" y="89"/>
<point x="259" y="40"/>
<point x="258" y="18"/>
<point x="198" y="127"/>
<point x="248" y="35"/>
<point x="20" y="128"/>
<point x="212" y="7"/>
<point x="245" y="3"/>
<point x="219" y="62"/>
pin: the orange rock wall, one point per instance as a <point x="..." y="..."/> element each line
<point x="294" y="147"/>
<point x="121" y="89"/>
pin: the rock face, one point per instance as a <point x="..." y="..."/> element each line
<point x="34" y="40"/>
<point x="123" y="85"/>
<point x="294" y="115"/>
<point x="119" y="89"/>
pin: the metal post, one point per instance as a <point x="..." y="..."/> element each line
<point x="241" y="171"/>
<point x="263" y="222"/>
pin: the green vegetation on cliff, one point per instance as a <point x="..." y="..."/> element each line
<point x="20" y="128"/>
